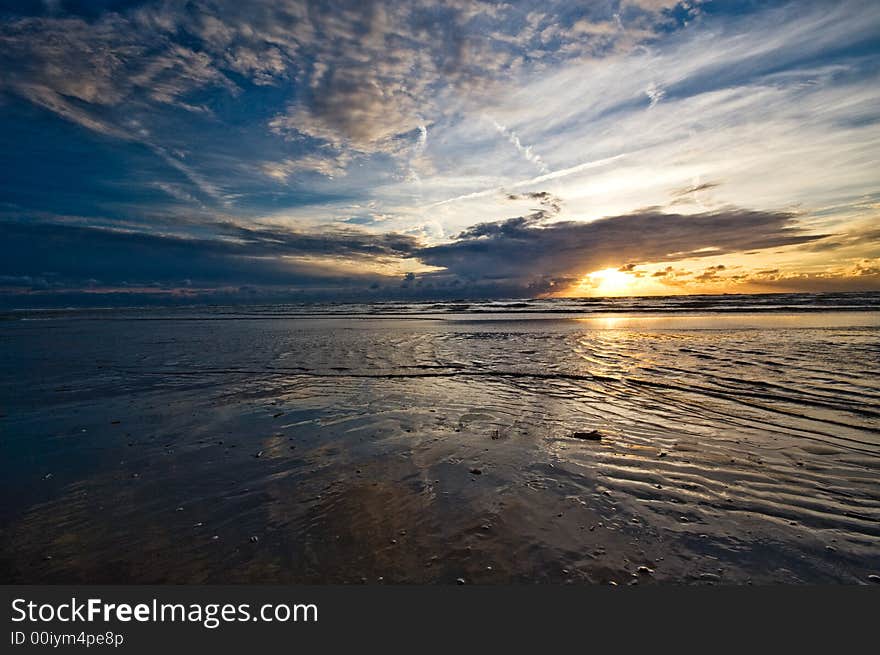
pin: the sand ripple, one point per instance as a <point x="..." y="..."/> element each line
<point x="428" y="450"/>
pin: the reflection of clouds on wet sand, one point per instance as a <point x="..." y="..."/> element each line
<point x="428" y="451"/>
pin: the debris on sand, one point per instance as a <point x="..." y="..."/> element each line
<point x="592" y="435"/>
<point x="258" y="454"/>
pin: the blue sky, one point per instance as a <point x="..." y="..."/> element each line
<point x="223" y="150"/>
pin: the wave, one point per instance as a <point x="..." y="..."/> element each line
<point x="716" y="304"/>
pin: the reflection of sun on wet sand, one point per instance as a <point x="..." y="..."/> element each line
<point x="470" y="451"/>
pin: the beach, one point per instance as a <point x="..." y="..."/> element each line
<point x="733" y="440"/>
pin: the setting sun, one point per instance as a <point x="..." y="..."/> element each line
<point x="608" y="282"/>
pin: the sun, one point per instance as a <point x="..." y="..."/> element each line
<point x="608" y="282"/>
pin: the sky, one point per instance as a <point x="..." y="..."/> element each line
<point x="221" y="151"/>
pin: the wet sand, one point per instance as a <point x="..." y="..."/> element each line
<point x="438" y="449"/>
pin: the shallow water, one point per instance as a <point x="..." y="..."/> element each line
<point x="343" y="444"/>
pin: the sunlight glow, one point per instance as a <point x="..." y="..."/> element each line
<point x="608" y="282"/>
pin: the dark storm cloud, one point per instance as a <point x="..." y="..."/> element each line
<point x="79" y="256"/>
<point x="526" y="255"/>
<point x="348" y="243"/>
<point x="524" y="248"/>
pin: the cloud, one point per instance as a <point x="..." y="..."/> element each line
<point x="655" y="94"/>
<point x="695" y="188"/>
<point x="863" y="275"/>
<point x="330" y="165"/>
<point x="362" y="68"/>
<point x="554" y="175"/>
<point x="711" y="273"/>
<point x="235" y="255"/>
<point x="314" y="114"/>
<point x="526" y="151"/>
<point x="524" y="255"/>
<point x="104" y="63"/>
<point x="527" y="248"/>
<point x="359" y="77"/>
<point x="761" y="101"/>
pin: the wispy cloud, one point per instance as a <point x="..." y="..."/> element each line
<point x="526" y="151"/>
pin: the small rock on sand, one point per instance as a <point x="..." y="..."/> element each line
<point x="460" y="581"/>
<point x="476" y="471"/>
<point x="592" y="435"/>
<point x="874" y="578"/>
<point x="644" y="570"/>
